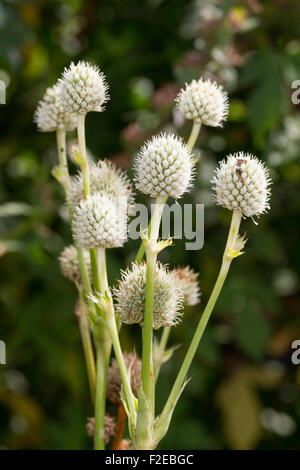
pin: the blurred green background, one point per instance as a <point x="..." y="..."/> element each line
<point x="244" y="393"/>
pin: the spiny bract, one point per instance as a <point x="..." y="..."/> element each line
<point x="241" y="183"/>
<point x="83" y="88"/>
<point x="164" y="167"/>
<point x="50" y="114"/>
<point x="104" y="177"/>
<point x="100" y="221"/>
<point x="131" y="294"/>
<point x="204" y="101"/>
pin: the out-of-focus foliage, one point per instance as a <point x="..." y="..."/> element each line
<point x="245" y="390"/>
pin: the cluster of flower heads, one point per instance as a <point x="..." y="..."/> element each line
<point x="104" y="177"/>
<point x="204" y="101"/>
<point x="114" y="381"/>
<point x="100" y="221"/>
<point x="130" y="296"/>
<point x="241" y="183"/>
<point x="164" y="167"/>
<point x="69" y="264"/>
<point x="187" y="280"/>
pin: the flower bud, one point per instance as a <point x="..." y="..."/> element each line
<point x="50" y="114"/>
<point x="164" y="167"/>
<point x="241" y="183"/>
<point x="104" y="177"/>
<point x="100" y="221"/>
<point x="203" y="101"/>
<point x="83" y="88"/>
<point x="70" y="266"/>
<point x="131" y="295"/>
<point x="114" y="380"/>
<point x="188" y="283"/>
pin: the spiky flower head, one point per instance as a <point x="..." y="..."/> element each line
<point x="83" y="88"/>
<point x="109" y="427"/>
<point x="241" y="183"/>
<point x="187" y="280"/>
<point x="164" y="167"/>
<point x="104" y="177"/>
<point x="114" y="381"/>
<point x="50" y="114"/>
<point x="100" y="221"/>
<point x="131" y="294"/>
<point x="204" y="101"/>
<point x="69" y="264"/>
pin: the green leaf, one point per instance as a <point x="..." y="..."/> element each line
<point x="252" y="333"/>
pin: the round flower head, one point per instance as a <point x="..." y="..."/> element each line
<point x="83" y="88"/>
<point x="69" y="263"/>
<point x="100" y="221"/>
<point x="242" y="183"/>
<point x="50" y="114"/>
<point x="188" y="283"/>
<point x="109" y="427"/>
<point x="164" y="167"/>
<point x="104" y="177"/>
<point x="131" y="294"/>
<point x="203" y="101"/>
<point x="114" y="381"/>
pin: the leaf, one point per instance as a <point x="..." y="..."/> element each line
<point x="10" y="209"/>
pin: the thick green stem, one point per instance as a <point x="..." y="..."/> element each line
<point x="230" y="245"/>
<point x="87" y="346"/>
<point x="103" y="349"/>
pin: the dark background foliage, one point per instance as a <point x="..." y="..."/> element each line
<point x="245" y="390"/>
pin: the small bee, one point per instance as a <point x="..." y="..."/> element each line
<point x="238" y="169"/>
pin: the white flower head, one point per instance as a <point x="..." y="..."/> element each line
<point x="164" y="167"/>
<point x="104" y="177"/>
<point x="83" y="88"/>
<point x="241" y="183"/>
<point x="50" y="115"/>
<point x="131" y="295"/>
<point x="100" y="221"/>
<point x="69" y="264"/>
<point x="187" y="280"/>
<point x="204" y="101"/>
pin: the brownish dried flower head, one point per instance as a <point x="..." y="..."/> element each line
<point x="114" y="381"/>
<point x="109" y="427"/>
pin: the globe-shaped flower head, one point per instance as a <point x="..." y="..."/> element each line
<point x="187" y="280"/>
<point x="83" y="88"/>
<point x="50" y="114"/>
<point x="164" y="167"/>
<point x="100" y="221"/>
<point x="241" y="183"/>
<point x="131" y="295"/>
<point x="203" y="101"/>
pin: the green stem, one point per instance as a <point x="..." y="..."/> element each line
<point x="103" y="349"/>
<point x="193" y="135"/>
<point x="148" y="381"/>
<point x="169" y="406"/>
<point x="87" y="346"/>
